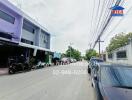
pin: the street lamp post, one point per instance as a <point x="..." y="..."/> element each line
<point x="99" y="41"/>
<point x="70" y="50"/>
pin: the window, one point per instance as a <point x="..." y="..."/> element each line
<point x="110" y="56"/>
<point x="45" y="39"/>
<point x="45" y="36"/>
<point x="96" y="60"/>
<point x="116" y="76"/>
<point x="28" y="28"/>
<point x="26" y="41"/>
<point x="108" y="76"/>
<point x="5" y="35"/>
<point x="121" y="54"/>
<point x="7" y="17"/>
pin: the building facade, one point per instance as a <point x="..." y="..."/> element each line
<point x="121" y="55"/>
<point x="10" y="22"/>
<point x="21" y="35"/>
<point x="17" y="27"/>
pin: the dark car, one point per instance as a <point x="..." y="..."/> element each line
<point x="113" y="82"/>
<point x="93" y="62"/>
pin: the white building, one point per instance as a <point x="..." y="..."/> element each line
<point x="121" y="55"/>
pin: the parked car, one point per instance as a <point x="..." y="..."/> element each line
<point x="112" y="82"/>
<point x="65" y="61"/>
<point x="71" y="60"/>
<point x="93" y="62"/>
<point x="39" y="65"/>
<point x="75" y="60"/>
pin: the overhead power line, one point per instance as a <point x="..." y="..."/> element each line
<point x="92" y="16"/>
<point x="103" y="15"/>
<point x="107" y="16"/>
<point x="107" y="23"/>
<point x="107" y="13"/>
<point x="118" y="23"/>
<point x="96" y="20"/>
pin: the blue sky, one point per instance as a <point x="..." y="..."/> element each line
<point x="69" y="21"/>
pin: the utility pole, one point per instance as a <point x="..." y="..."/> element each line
<point x="70" y="49"/>
<point x="70" y="53"/>
<point x="99" y="41"/>
<point x="90" y="45"/>
<point x="99" y="46"/>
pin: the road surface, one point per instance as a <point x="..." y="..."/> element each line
<point x="67" y="82"/>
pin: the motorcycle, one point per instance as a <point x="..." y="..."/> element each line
<point x="15" y="66"/>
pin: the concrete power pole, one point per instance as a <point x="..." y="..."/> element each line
<point x="70" y="49"/>
<point x="90" y="45"/>
<point x="99" y="41"/>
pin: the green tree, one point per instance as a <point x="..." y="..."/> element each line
<point x="76" y="54"/>
<point x="91" y="53"/>
<point x="118" y="41"/>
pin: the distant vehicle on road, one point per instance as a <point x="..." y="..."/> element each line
<point x="72" y="60"/>
<point x="65" y="61"/>
<point x="112" y="82"/>
<point x="39" y="65"/>
<point x="93" y="63"/>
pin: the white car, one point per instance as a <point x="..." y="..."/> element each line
<point x="40" y="65"/>
<point x="65" y="61"/>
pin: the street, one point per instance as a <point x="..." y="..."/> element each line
<point x="50" y="83"/>
<point x="65" y="50"/>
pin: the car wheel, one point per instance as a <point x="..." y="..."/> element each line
<point x="89" y="70"/>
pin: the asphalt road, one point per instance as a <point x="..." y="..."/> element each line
<point x="68" y="82"/>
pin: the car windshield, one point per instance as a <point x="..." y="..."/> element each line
<point x="116" y="76"/>
<point x="97" y="60"/>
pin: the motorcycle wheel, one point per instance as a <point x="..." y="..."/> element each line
<point x="11" y="71"/>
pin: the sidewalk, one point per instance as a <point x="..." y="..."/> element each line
<point x="3" y="71"/>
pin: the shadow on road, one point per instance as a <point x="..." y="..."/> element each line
<point x="3" y="71"/>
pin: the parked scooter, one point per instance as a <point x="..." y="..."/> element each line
<point x="18" y="67"/>
<point x="15" y="65"/>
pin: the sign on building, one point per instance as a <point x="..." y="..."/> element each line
<point x="117" y="11"/>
